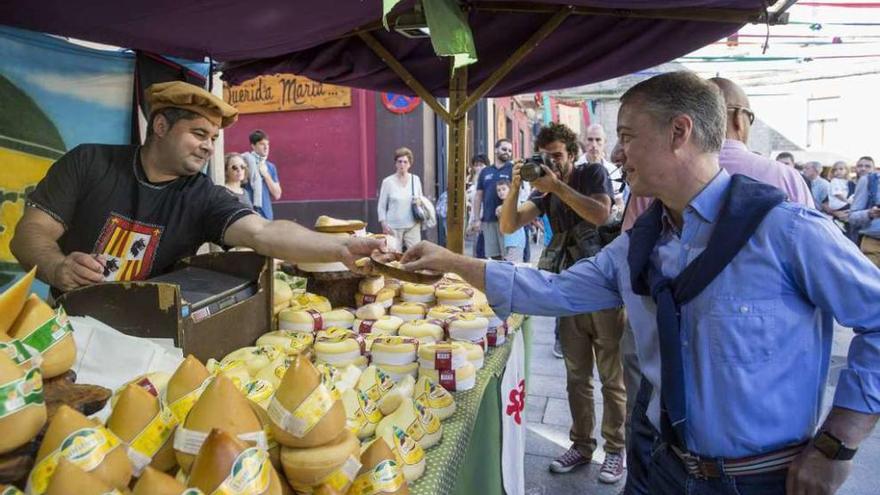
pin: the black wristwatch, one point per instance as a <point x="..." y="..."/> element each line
<point x="832" y="448"/>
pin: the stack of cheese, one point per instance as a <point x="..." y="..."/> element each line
<point x="467" y="327"/>
<point x="497" y="332"/>
<point x="371" y="319"/>
<point x="305" y="313"/>
<point x="373" y="290"/>
<point x="341" y="348"/>
<point x="396" y="356"/>
<point x="449" y="364"/>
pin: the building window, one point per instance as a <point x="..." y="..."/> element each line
<point x="522" y="144"/>
<point x="508" y="128"/>
<point x="822" y="121"/>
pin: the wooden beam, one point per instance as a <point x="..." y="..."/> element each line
<point x="405" y="75"/>
<point x="512" y="61"/>
<point x="456" y="161"/>
<point x="684" y="14"/>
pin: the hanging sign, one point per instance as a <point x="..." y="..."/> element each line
<point x="284" y="93"/>
<point x="400" y="104"/>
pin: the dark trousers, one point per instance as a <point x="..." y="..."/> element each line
<point x="527" y="251"/>
<point x="654" y="469"/>
<point x="480" y="247"/>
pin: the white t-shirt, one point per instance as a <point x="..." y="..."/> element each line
<point x="395" y="201"/>
<point x="839" y="187"/>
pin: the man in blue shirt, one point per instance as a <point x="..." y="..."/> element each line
<point x="754" y="344"/>
<point x="486" y="199"/>
<point x="262" y="185"/>
<point x="864" y="215"/>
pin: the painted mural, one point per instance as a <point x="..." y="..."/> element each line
<point x="54" y="95"/>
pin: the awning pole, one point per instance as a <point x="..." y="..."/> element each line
<point x="517" y="56"/>
<point x="456" y="161"/>
<point x="405" y="75"/>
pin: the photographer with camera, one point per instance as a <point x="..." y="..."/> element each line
<point x="576" y="199"/>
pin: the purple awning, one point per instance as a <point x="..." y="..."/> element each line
<point x="308" y="37"/>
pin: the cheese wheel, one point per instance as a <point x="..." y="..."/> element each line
<point x="362" y="414"/>
<point x="274" y="372"/>
<point x="282" y="293"/>
<point x="153" y="482"/>
<point x="467" y="326"/>
<point x="274" y="448"/>
<point x="26" y="421"/>
<point x="12" y="300"/>
<point x="434" y="397"/>
<point x="486" y="311"/>
<point x="442" y="312"/>
<point x="394" y="350"/>
<point x="134" y="411"/>
<point x="234" y="369"/>
<point x="254" y="357"/>
<point x="372" y="311"/>
<point x="70" y="427"/>
<point x="394" y="285"/>
<point x="416" y="421"/>
<point x="475" y="353"/>
<point x="408" y="311"/>
<point x="455" y="295"/>
<point x="190" y="375"/>
<point x="222" y="405"/>
<point x="338" y="346"/>
<point x="402" y="390"/>
<point x="301" y="382"/>
<point x="288" y="341"/>
<point x="399" y="372"/>
<point x="375" y="383"/>
<point x="223" y="456"/>
<point x="371" y="285"/>
<point x="307" y="320"/>
<point x="385" y="297"/>
<point x="34" y="320"/>
<point x="340" y="318"/>
<point x="443" y="356"/>
<point x="417" y="293"/>
<point x="426" y="331"/>
<point x="380" y="473"/>
<point x="408" y="453"/>
<point x="325" y="221"/>
<point x="155" y="383"/>
<point x="68" y="478"/>
<point x="306" y="468"/>
<point x="464" y="378"/>
<point x="311" y="301"/>
<point x="384" y="325"/>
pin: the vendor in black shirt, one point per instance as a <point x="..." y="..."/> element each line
<point x="116" y="212"/>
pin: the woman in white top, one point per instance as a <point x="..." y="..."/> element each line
<point x="838" y="196"/>
<point x="396" y="199"/>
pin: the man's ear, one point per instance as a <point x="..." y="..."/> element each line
<point x="160" y="125"/>
<point x="682" y="128"/>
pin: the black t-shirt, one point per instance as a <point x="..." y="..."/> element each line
<point x="586" y="179"/>
<point x="102" y="197"/>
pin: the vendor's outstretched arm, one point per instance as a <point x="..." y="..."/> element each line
<point x="588" y="286"/>
<point x="289" y="241"/>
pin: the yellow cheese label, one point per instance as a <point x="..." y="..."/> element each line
<point x="383" y="384"/>
<point x="259" y="390"/>
<point x="249" y="475"/>
<point x="301" y="421"/>
<point x="182" y="406"/>
<point x="47" y="335"/>
<point x="386" y="477"/>
<point x="155" y="434"/>
<point x="432" y="396"/>
<point x="86" y="448"/>
<point x="428" y="419"/>
<point x="409" y="451"/>
<point x="341" y="479"/>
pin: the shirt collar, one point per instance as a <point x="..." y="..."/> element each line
<point x="734" y="144"/>
<point x="707" y="203"/>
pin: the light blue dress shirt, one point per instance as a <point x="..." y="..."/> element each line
<point x="756" y="342"/>
<point x="859" y="211"/>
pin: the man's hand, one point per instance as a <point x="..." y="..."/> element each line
<point x="355" y="248"/>
<point x="812" y="473"/>
<point x="474" y="227"/>
<point x="874" y="212"/>
<point x="428" y="256"/>
<point x="76" y="270"/>
<point x="547" y="183"/>
<point x="516" y="179"/>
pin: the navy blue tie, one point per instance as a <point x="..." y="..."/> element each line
<point x="746" y="204"/>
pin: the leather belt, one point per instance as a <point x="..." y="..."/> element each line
<point x="704" y="468"/>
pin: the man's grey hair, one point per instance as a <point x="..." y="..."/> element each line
<point x="813" y="165"/>
<point x="669" y="95"/>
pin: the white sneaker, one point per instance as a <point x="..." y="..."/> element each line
<point x="613" y="467"/>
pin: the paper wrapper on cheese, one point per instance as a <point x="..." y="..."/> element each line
<point x="146" y="428"/>
<point x="184" y="386"/>
<point x="305" y="412"/>
<point x="69" y="479"/>
<point x="226" y="464"/>
<point x="22" y="405"/>
<point x="91" y="447"/>
<point x="417" y="421"/>
<point x="334" y="465"/>
<point x="410" y="455"/>
<point x="49" y="332"/>
<point x="221" y="406"/>
<point x="12" y="300"/>
<point x="153" y="482"/>
<point x="380" y="474"/>
<point x="433" y="396"/>
<point x="362" y="414"/>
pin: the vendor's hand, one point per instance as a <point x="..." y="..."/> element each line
<point x="547" y="183"/>
<point x="78" y="269"/>
<point x="355" y="248"/>
<point x="428" y="256"/>
<point x="474" y="227"/>
<point x="812" y="473"/>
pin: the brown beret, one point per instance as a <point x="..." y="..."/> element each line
<point x="183" y="95"/>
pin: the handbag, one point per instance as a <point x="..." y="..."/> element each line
<point x="422" y="208"/>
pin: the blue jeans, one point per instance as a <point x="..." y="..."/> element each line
<point x="654" y="469"/>
<point x="480" y="247"/>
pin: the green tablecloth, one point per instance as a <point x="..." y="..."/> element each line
<point x="468" y="458"/>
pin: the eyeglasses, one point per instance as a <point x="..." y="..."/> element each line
<point x="750" y="114"/>
<point x="236" y="167"/>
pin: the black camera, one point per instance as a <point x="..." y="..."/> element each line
<point x="531" y="169"/>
